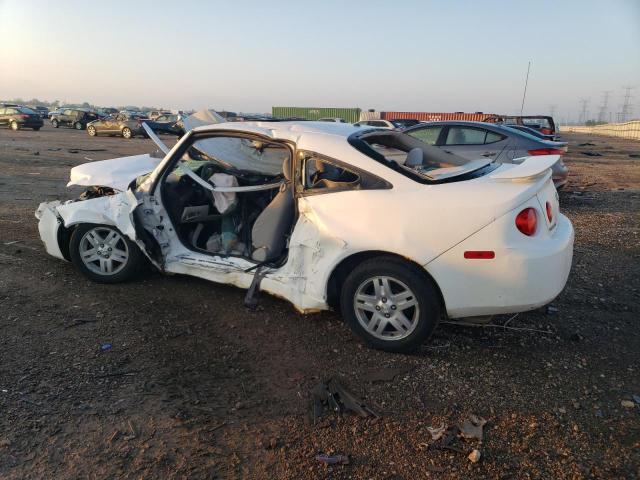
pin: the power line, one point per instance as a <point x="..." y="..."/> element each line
<point x="627" y="107"/>
<point x="602" y="113"/>
<point x="584" y="103"/>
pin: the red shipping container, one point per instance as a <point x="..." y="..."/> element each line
<point x="436" y="116"/>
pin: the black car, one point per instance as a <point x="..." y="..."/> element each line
<point x="171" y="124"/>
<point x="404" y="122"/>
<point x="20" y="117"/>
<point x="73" y="117"/>
<point x="40" y="110"/>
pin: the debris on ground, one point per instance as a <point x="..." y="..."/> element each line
<point x="591" y="154"/>
<point x="333" y="459"/>
<point x="628" y="404"/>
<point x="472" y="428"/>
<point x="634" y="155"/>
<point x="587" y="144"/>
<point x="551" y="310"/>
<point x="105" y="346"/>
<point x="333" y="396"/>
<point x="385" y="374"/>
<point x="636" y="398"/>
<point x="437" y="432"/>
<point x="474" y="456"/>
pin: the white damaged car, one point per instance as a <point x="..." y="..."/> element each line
<point x="392" y="232"/>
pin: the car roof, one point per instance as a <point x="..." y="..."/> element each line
<point x="286" y="130"/>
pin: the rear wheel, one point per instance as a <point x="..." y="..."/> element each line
<point x="14" y="125"/>
<point x="103" y="254"/>
<point x="127" y="133"/>
<point x="77" y="126"/>
<point x="55" y="123"/>
<point x="35" y="129"/>
<point x="91" y="130"/>
<point x="390" y="304"/>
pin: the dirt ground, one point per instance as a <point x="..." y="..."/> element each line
<point x="195" y="386"/>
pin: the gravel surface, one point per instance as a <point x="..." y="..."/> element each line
<point x="195" y="386"/>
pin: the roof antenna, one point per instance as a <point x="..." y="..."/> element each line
<point x="525" y="88"/>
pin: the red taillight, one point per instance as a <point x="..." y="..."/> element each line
<point x="545" y="131"/>
<point x="549" y="212"/>
<point x="526" y="221"/>
<point x="480" y="254"/>
<point x="23" y="116"/>
<point x="546" y="151"/>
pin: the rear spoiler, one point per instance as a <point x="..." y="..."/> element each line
<point x="530" y="167"/>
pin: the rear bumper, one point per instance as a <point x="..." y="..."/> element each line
<point x="524" y="275"/>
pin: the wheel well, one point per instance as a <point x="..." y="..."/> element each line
<point x="341" y="271"/>
<point x="64" y="240"/>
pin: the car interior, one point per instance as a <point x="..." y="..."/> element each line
<point x="233" y="196"/>
<point x="410" y="152"/>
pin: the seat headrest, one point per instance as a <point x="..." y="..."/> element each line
<point x="415" y="157"/>
<point x="286" y="169"/>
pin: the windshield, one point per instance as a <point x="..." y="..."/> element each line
<point x="406" y="153"/>
<point x="241" y="155"/>
<point x="26" y="110"/>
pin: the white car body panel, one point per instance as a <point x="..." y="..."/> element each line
<point x="430" y="225"/>
<point x="116" y="173"/>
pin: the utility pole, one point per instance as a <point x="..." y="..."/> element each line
<point x="602" y="114"/>
<point x="584" y="102"/>
<point x="627" y="108"/>
<point x="552" y="110"/>
<point x="526" y="82"/>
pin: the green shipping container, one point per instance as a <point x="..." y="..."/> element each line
<point x="350" y="115"/>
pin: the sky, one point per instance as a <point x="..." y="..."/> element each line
<point x="251" y="55"/>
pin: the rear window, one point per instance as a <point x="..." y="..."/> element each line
<point x="26" y="110"/>
<point x="415" y="159"/>
<point x="536" y="122"/>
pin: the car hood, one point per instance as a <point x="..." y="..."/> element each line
<point x="116" y="173"/>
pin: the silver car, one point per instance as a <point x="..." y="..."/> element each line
<point x="473" y="140"/>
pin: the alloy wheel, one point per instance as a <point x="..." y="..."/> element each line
<point x="386" y="307"/>
<point x="103" y="251"/>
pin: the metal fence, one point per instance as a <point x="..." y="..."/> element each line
<point x="630" y="130"/>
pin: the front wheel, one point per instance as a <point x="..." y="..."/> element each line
<point x="14" y="125"/>
<point x="127" y="133"/>
<point x="103" y="254"/>
<point x="390" y="304"/>
<point x="91" y="130"/>
<point x="77" y="126"/>
<point x="55" y="123"/>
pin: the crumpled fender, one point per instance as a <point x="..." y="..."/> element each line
<point x="116" y="210"/>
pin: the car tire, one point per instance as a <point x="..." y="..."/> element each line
<point x="77" y="126"/>
<point x="35" y="129"/>
<point x="55" y="123"/>
<point x="127" y="133"/>
<point x="91" y="130"/>
<point x="90" y="254"/>
<point x="15" y="126"/>
<point x="390" y="304"/>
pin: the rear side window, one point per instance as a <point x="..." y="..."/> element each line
<point x="492" y="137"/>
<point x="428" y="135"/>
<point x="465" y="136"/>
<point x="471" y="136"/>
<point x="320" y="174"/>
<point x="536" y="122"/>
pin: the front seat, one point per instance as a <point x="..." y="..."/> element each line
<point x="268" y="235"/>
<point x="415" y="157"/>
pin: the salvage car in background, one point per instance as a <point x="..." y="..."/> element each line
<point x="18" y="117"/>
<point x="169" y="123"/>
<point x="473" y="140"/>
<point x="77" y="118"/>
<point x="543" y="123"/>
<point x="126" y="125"/>
<point x="294" y="209"/>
